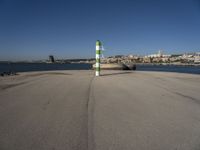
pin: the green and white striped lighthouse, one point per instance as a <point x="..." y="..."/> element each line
<point x="98" y="53"/>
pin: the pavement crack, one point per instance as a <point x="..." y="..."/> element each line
<point x="188" y="97"/>
<point x="7" y="86"/>
<point x="90" y="113"/>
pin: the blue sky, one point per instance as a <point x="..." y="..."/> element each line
<point x="33" y="29"/>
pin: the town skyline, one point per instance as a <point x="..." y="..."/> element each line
<point x="159" y="56"/>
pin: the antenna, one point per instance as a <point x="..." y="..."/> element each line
<point x="102" y="51"/>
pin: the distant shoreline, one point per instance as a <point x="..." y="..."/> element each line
<point x="28" y="67"/>
<point x="152" y="64"/>
<point x="168" y="64"/>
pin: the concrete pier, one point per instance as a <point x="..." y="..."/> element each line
<point x="120" y="110"/>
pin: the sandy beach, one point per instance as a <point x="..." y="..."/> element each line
<point x="120" y="110"/>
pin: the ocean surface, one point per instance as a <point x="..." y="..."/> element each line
<point x="170" y="68"/>
<point x="26" y="67"/>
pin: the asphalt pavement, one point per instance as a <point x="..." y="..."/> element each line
<point x="120" y="110"/>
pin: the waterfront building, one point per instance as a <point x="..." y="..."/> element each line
<point x="197" y="58"/>
<point x="51" y="59"/>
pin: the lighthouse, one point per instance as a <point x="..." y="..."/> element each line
<point x="98" y="53"/>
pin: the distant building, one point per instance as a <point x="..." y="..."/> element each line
<point x="118" y="56"/>
<point x="197" y="58"/>
<point x="51" y="59"/>
<point x="159" y="54"/>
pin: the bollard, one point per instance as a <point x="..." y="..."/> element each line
<point x="98" y="52"/>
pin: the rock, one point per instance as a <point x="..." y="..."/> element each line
<point x="131" y="66"/>
<point x="9" y="73"/>
<point x="112" y="66"/>
<point x="117" y="66"/>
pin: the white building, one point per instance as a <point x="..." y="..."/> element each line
<point x="197" y="58"/>
<point x="158" y="55"/>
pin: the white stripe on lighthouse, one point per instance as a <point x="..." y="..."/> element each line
<point x="97" y="47"/>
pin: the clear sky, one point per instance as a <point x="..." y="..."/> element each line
<point x="33" y="29"/>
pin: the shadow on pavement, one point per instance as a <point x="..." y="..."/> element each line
<point x="116" y="73"/>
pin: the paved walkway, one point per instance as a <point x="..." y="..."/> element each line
<point x="72" y="110"/>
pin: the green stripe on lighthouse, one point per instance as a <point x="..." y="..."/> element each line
<point x="98" y="69"/>
<point x="98" y="51"/>
<point x="98" y="43"/>
<point x="97" y="60"/>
